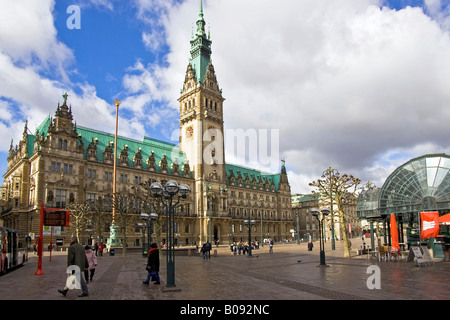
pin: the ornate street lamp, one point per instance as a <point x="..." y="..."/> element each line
<point x="321" y="215"/>
<point x="171" y="189"/>
<point x="249" y="224"/>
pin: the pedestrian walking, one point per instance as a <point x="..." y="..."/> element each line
<point x="271" y="246"/>
<point x="101" y="246"/>
<point x="76" y="256"/>
<point x="92" y="262"/>
<point x="153" y="265"/>
<point x="310" y="245"/>
<point x="206" y="250"/>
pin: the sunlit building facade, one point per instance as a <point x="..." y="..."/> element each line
<point x="63" y="163"/>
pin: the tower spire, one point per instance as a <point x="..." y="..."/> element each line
<point x="200" y="21"/>
<point x="200" y="48"/>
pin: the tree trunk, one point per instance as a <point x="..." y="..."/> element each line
<point x="343" y="224"/>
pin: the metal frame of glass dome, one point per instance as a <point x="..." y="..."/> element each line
<point x="421" y="184"/>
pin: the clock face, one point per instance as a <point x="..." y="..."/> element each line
<point x="189" y="132"/>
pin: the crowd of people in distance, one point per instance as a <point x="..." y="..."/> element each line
<point x="243" y="247"/>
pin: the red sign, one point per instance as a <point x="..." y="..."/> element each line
<point x="56" y="217"/>
<point x="429" y="224"/>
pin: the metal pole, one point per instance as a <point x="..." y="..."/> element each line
<point x="210" y="218"/>
<point x="117" y="103"/>
<point x="249" y="239"/>
<point x="40" y="242"/>
<point x="322" y="245"/>
<point x="262" y="236"/>
<point x="333" y="245"/>
<point x="149" y="222"/>
<point x="169" y="257"/>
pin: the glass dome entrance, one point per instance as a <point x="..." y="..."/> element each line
<point x="421" y="184"/>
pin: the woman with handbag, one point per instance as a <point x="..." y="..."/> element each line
<point x="153" y="265"/>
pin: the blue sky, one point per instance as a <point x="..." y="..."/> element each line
<point x="348" y="83"/>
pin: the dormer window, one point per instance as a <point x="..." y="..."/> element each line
<point x="62" y="144"/>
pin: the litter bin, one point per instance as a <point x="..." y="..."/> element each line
<point x="111" y="252"/>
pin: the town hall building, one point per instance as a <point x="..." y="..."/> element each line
<point x="63" y="163"/>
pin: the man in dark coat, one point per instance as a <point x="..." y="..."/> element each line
<point x="153" y="264"/>
<point x="206" y="249"/>
<point x="76" y="256"/>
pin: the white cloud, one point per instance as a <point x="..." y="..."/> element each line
<point x="345" y="81"/>
<point x="27" y="34"/>
<point x="33" y="64"/>
<point x="440" y="11"/>
<point x="348" y="84"/>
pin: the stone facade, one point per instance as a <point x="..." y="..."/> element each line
<point x="63" y="164"/>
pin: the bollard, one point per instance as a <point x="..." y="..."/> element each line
<point x="215" y="253"/>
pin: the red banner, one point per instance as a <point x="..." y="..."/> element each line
<point x="394" y="234"/>
<point x="429" y="224"/>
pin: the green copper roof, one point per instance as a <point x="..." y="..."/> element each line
<point x="147" y="145"/>
<point x="251" y="173"/>
<point x="200" y="48"/>
<point x="297" y="198"/>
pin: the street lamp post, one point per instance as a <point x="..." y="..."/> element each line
<point x="260" y="203"/>
<point x="297" y="208"/>
<point x="249" y="224"/>
<point x="321" y="215"/>
<point x="113" y="237"/>
<point x="171" y="189"/>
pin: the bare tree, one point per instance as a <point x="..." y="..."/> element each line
<point x="127" y="207"/>
<point x="100" y="214"/>
<point x="152" y="204"/>
<point x="79" y="217"/>
<point x="336" y="188"/>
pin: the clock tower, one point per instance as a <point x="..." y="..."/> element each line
<point x="201" y="120"/>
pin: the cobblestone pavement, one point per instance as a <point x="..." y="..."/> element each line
<point x="289" y="273"/>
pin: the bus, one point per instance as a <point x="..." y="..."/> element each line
<point x="13" y="248"/>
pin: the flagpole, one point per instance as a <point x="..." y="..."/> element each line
<point x="113" y="235"/>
